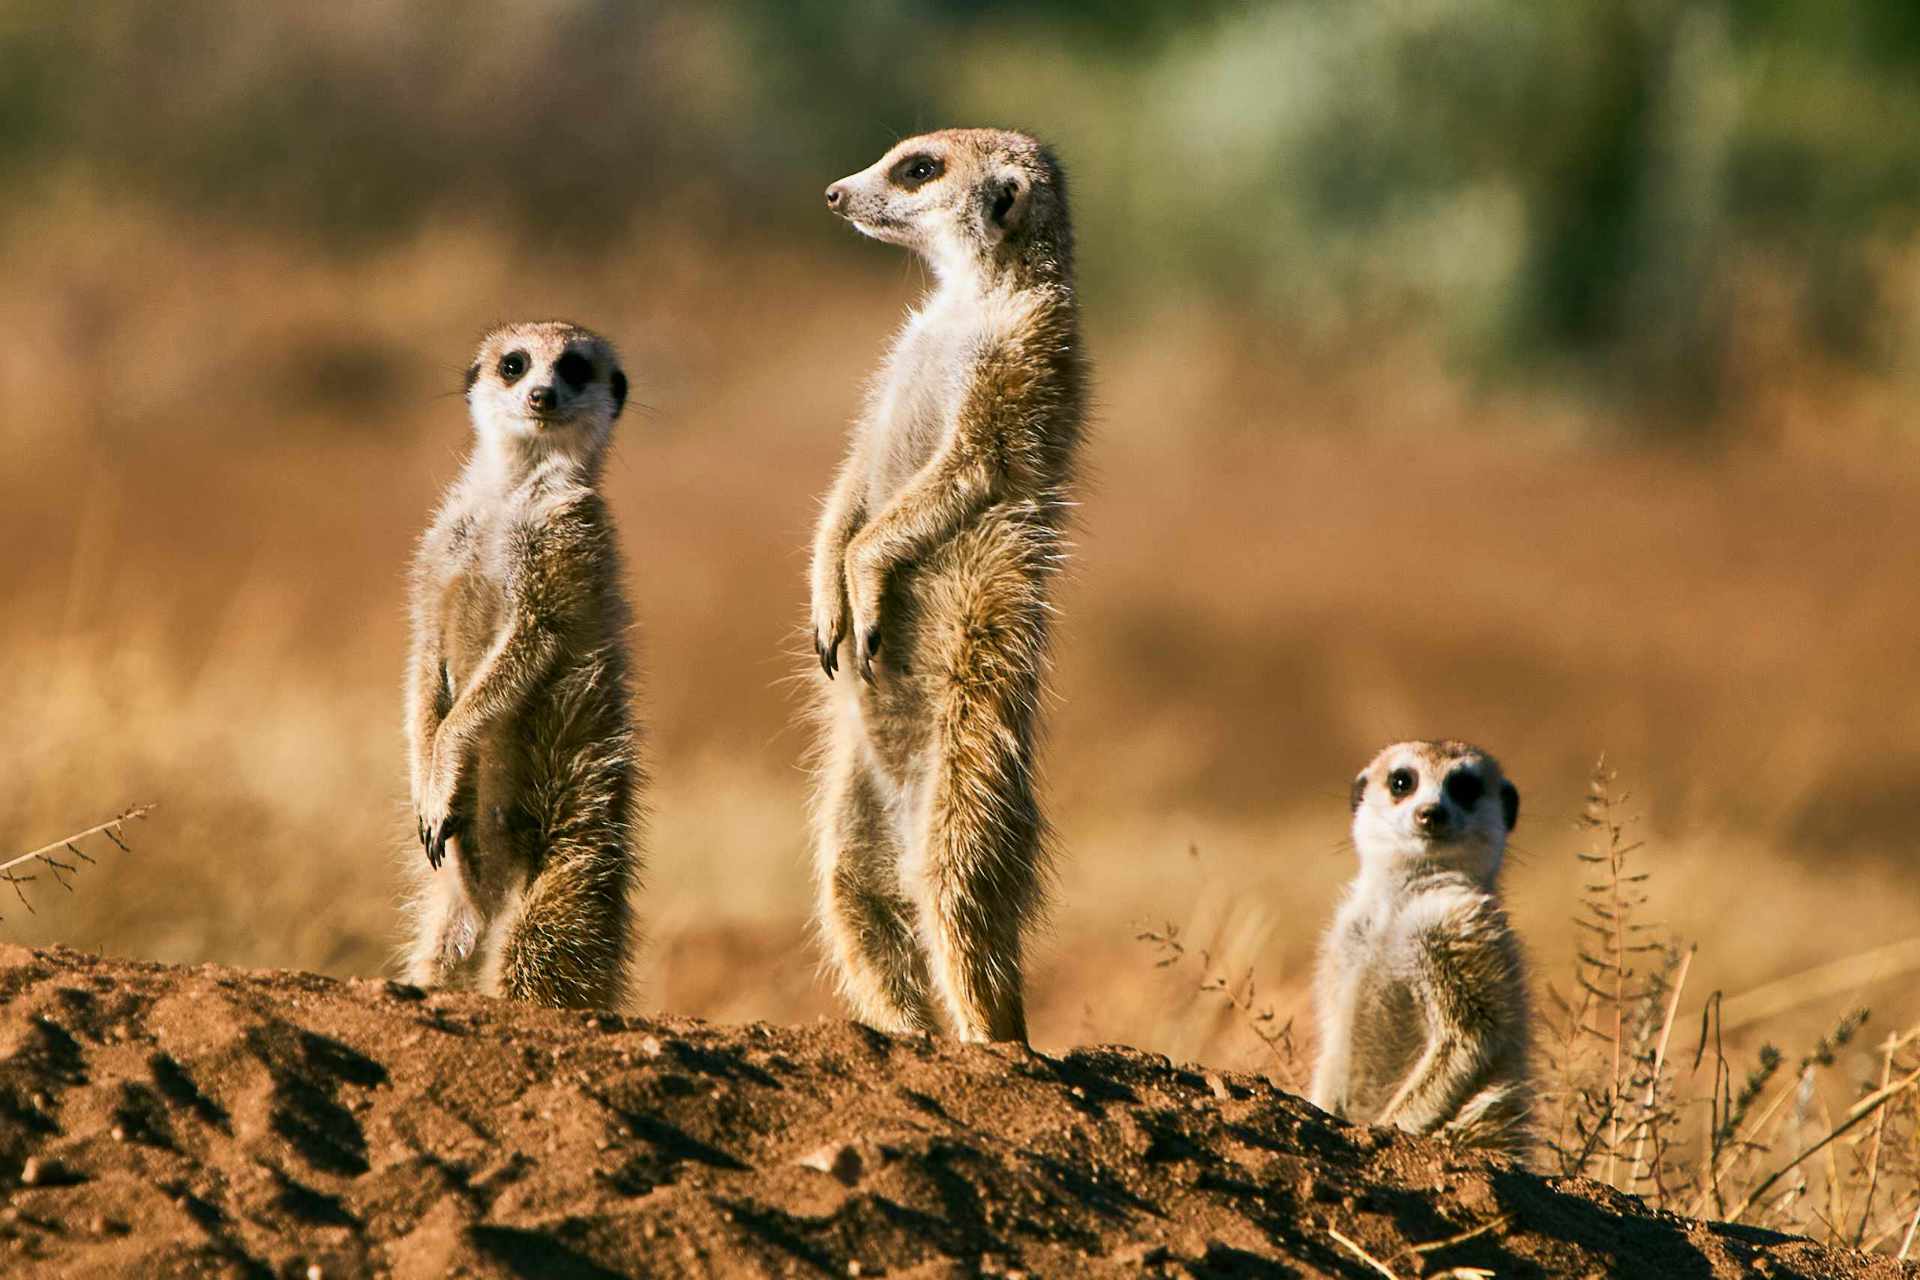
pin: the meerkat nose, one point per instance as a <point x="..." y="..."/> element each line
<point x="542" y="398"/>
<point x="836" y="196"/>
<point x="1431" y="819"/>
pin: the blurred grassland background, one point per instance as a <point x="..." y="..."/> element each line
<point x="1538" y="374"/>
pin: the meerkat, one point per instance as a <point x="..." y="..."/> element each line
<point x="932" y="568"/>
<point x="525" y="774"/>
<point x="1421" y="988"/>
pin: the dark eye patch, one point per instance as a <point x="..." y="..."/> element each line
<point x="915" y="171"/>
<point x="1465" y="787"/>
<point x="1401" y="782"/>
<point x="574" y="369"/>
<point x="513" y="367"/>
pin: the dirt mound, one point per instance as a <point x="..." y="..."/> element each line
<point x="159" y="1121"/>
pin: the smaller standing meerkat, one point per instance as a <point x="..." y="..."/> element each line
<point x="1421" y="989"/>
<point x="525" y="774"/>
<point x="933" y="564"/>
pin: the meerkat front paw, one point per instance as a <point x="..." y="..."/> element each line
<point x="437" y="821"/>
<point x="829" y="623"/>
<point x="866" y="577"/>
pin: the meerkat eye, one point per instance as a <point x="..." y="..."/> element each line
<point x="1465" y="787"/>
<point x="1400" y="783"/>
<point x="574" y="369"/>
<point x="513" y="367"/>
<point x="916" y="171"/>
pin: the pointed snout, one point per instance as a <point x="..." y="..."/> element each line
<point x="542" y="399"/>
<point x="1432" y="820"/>
<point x="837" y="197"/>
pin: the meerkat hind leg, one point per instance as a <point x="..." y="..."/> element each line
<point x="868" y="924"/>
<point x="447" y="948"/>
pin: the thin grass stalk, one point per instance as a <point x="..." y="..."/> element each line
<point x="1659" y="1062"/>
<point x="1873" y="1152"/>
<point x="1896" y="1223"/>
<point x="1734" y="1148"/>
<point x="1855" y="1114"/>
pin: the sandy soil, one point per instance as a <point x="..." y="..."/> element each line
<point x="163" y="1121"/>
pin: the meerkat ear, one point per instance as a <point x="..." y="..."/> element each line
<point x="1007" y="198"/>
<point x="617" y="382"/>
<point x="1358" y="794"/>
<point x="1510" y="803"/>
<point x="473" y="374"/>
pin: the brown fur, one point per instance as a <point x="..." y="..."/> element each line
<point x="525" y="772"/>
<point x="932" y="568"/>
<point x="1421" y="988"/>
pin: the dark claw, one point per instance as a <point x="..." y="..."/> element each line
<point x="873" y="641"/>
<point x="826" y="656"/>
<point x="436" y="839"/>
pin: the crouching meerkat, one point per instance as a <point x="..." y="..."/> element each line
<point x="932" y="567"/>
<point x="526" y="779"/>
<point x="1421" y="990"/>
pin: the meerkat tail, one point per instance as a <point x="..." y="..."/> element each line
<point x="563" y="940"/>
<point x="984" y="868"/>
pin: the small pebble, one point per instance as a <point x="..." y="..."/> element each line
<point x="32" y="1171"/>
<point x="314" y="1272"/>
<point x="840" y="1160"/>
<point x="119" y="1134"/>
<point x="650" y="1046"/>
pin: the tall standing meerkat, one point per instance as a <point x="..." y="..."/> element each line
<point x="526" y="777"/>
<point x="1421" y="989"/>
<point x="932" y="568"/>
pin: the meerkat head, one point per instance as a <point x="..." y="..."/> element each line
<point x="961" y="198"/>
<point x="548" y="387"/>
<point x="1435" y="802"/>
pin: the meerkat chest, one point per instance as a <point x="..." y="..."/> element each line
<point x="1380" y="989"/>
<point x="476" y="586"/>
<point x="922" y="390"/>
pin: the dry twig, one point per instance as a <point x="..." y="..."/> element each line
<point x="113" y="829"/>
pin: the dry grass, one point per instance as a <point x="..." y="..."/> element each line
<point x="1618" y="1107"/>
<point x="1282" y="565"/>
